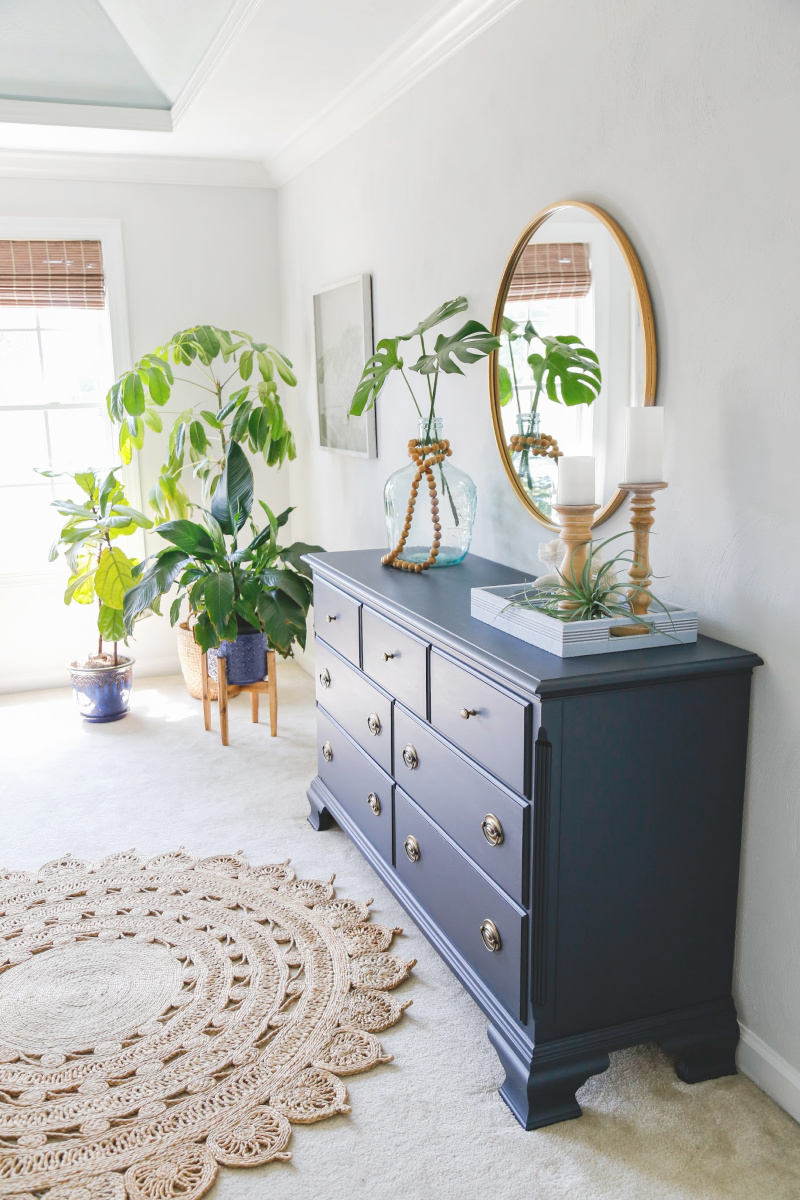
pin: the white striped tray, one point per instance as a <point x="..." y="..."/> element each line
<point x="568" y="639"/>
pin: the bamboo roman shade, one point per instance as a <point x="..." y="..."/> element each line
<point x="59" y="274"/>
<point x="549" y="270"/>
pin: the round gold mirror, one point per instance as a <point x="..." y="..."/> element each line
<point x="578" y="348"/>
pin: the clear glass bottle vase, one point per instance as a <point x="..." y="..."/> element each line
<point x="537" y="475"/>
<point x="456" y="499"/>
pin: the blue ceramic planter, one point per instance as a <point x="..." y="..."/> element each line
<point x="246" y="658"/>
<point x="103" y="693"/>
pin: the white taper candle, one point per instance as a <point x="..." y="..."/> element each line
<point x="644" y="445"/>
<point x="576" y="479"/>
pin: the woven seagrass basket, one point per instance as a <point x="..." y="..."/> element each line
<point x="191" y="659"/>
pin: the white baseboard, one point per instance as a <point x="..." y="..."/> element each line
<point x="38" y="681"/>
<point x="773" y="1074"/>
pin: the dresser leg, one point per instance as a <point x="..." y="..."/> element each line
<point x="707" y="1052"/>
<point x="318" y="818"/>
<point x="543" y="1092"/>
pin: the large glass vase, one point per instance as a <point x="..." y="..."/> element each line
<point x="538" y="475"/>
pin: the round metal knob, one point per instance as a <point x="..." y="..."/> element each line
<point x="410" y="757"/>
<point x="466" y="713"/>
<point x="374" y="803"/>
<point x="374" y="724"/>
<point x="327" y="752"/>
<point x="492" y="830"/>
<point x="490" y="936"/>
<point x="386" y="657"/>
<point x="325" y="678"/>
<point x="411" y="847"/>
<point x="330" y="618"/>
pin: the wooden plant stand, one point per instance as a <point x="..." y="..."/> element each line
<point x="267" y="687"/>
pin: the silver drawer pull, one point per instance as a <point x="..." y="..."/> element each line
<point x="492" y="830"/>
<point x="330" y="618"/>
<point x="411" y="847"/>
<point x="374" y="803"/>
<point x="325" y="678"/>
<point x="374" y="724"/>
<point x="386" y="657"/>
<point x="410" y="757"/>
<point x="466" y="713"/>
<point x="490" y="936"/>
<point x="327" y="752"/>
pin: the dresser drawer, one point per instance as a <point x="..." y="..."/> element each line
<point x="357" y="705"/>
<point x="461" y="901"/>
<point x="336" y="620"/>
<point x="362" y="789"/>
<point x="396" y="660"/>
<point x="482" y="817"/>
<point x="491" y="725"/>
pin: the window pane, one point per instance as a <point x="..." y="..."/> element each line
<point x="80" y="438"/>
<point x="29" y="528"/>
<point x="20" y="369"/>
<point x="76" y="369"/>
<point x="23" y="446"/>
<point x="17" y="318"/>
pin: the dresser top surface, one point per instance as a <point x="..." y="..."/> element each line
<point x="438" y="602"/>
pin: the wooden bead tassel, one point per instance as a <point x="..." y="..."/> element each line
<point x="543" y="444"/>
<point x="426" y="456"/>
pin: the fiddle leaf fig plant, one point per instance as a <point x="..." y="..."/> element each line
<point x="242" y="405"/>
<point x="262" y="585"/>
<point x="100" y="571"/>
<point x="568" y="371"/>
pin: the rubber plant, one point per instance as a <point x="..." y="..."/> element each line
<point x="100" y="571"/>
<point x="242" y="405"/>
<point x="568" y="372"/>
<point x="260" y="586"/>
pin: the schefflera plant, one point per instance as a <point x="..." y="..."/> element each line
<point x="238" y="374"/>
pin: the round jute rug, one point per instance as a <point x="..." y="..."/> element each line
<point x="158" y="1018"/>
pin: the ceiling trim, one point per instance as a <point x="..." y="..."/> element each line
<point x="84" y="116"/>
<point x="238" y="17"/>
<point x="131" y="168"/>
<point x="446" y="29"/>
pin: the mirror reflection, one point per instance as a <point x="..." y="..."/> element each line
<point x="573" y="354"/>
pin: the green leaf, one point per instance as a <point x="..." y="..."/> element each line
<point x="265" y="367"/>
<point x="239" y="426"/>
<point x="175" y="610"/>
<point x="377" y="370"/>
<point x="206" y="338"/>
<point x="289" y="582"/>
<point x="156" y="581"/>
<point x="114" y="401"/>
<point x="233" y="498"/>
<point x="231" y="403"/>
<point x="157" y="386"/>
<point x="294" y="556"/>
<point x="188" y="536"/>
<point x="111" y="624"/>
<point x="131" y="515"/>
<point x="505" y="385"/>
<point x="197" y="436"/>
<point x="153" y="420"/>
<point x="81" y="586"/>
<point x="283" y="620"/>
<point x="218" y="599"/>
<point x="133" y="394"/>
<point x="113" y="577"/>
<point x="246" y="364"/>
<point x="442" y="313"/>
<point x="86" y="482"/>
<point x="468" y="344"/>
<point x="204" y="633"/>
<point x="568" y="370"/>
<point x="259" y="427"/>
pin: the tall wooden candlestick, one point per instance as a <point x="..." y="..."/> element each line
<point x="640" y="574"/>
<point x="576" y="533"/>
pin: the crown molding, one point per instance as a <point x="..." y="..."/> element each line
<point x="238" y="17"/>
<point x="84" y="116"/>
<point x="124" y="168"/>
<point x="447" y="28"/>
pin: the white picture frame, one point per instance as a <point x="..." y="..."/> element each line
<point x="342" y="344"/>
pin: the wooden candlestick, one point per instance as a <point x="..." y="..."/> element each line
<point x="576" y="533"/>
<point x="642" y="508"/>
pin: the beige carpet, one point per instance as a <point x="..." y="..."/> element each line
<point x="429" y="1124"/>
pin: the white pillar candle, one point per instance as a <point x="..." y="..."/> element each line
<point x="644" y="445"/>
<point x="576" y="479"/>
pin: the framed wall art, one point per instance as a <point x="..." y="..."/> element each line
<point x="342" y="344"/>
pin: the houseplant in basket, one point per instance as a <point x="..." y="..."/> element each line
<point x="440" y="536"/>
<point x="100" y="572"/>
<point x="246" y="598"/>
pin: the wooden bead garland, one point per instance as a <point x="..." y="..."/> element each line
<point x="426" y="455"/>
<point x="543" y="444"/>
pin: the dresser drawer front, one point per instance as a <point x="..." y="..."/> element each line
<point x="489" y="724"/>
<point x="362" y="789"/>
<point x="336" y="619"/>
<point x="460" y="900"/>
<point x="484" y="819"/>
<point x="358" y="706"/>
<point x="396" y="660"/>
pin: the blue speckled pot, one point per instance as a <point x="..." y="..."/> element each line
<point x="103" y="693"/>
<point x="246" y="658"/>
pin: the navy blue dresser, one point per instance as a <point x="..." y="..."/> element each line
<point x="565" y="832"/>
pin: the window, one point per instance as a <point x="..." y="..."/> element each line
<point x="56" y="365"/>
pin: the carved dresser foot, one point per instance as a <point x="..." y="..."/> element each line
<point x="706" y="1052"/>
<point x="540" y="1089"/>
<point x="318" y="818"/>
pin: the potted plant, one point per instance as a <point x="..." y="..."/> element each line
<point x="101" y="572"/>
<point x="241" y="403"/>
<point x="245" y="598"/>
<point x="440" y="537"/>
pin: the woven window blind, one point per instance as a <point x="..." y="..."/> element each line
<point x="58" y="274"/>
<point x="550" y="270"/>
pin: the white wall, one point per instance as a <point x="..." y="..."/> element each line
<point x="682" y="120"/>
<point x="192" y="254"/>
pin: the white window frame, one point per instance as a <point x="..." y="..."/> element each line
<point x="107" y="231"/>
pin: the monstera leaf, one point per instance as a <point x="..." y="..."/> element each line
<point x="469" y="343"/>
<point x="377" y="370"/>
<point x="442" y="313"/>
<point x="568" y="371"/>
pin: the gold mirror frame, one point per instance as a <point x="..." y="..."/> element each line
<point x="648" y="335"/>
